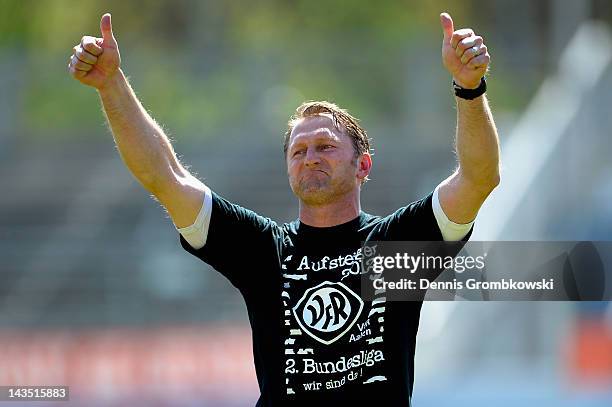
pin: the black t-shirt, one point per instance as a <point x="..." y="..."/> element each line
<point x="315" y="341"/>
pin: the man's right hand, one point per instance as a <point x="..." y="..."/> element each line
<point x="95" y="61"/>
<point x="144" y="147"/>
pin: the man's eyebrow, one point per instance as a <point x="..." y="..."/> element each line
<point x="319" y="134"/>
<point x="326" y="139"/>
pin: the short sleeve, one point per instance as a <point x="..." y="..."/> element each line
<point x="416" y="222"/>
<point x="197" y="233"/>
<point x="239" y="243"/>
<point x="451" y="231"/>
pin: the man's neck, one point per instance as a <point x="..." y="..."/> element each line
<point x="332" y="214"/>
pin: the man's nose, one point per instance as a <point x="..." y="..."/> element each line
<point x="312" y="157"/>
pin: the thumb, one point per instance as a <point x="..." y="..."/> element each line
<point x="447" y="26"/>
<point x="107" y="30"/>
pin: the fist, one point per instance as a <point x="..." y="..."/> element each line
<point x="96" y="60"/>
<point x="463" y="53"/>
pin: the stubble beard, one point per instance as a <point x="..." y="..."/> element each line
<point x="317" y="191"/>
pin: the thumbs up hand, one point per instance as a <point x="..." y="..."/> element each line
<point x="463" y="53"/>
<point x="96" y="60"/>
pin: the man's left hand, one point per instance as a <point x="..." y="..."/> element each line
<point x="464" y="54"/>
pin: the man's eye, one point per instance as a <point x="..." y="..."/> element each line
<point x="328" y="147"/>
<point x="298" y="152"/>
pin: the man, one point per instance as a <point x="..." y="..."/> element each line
<point x="315" y="341"/>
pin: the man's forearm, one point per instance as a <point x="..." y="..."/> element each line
<point x="143" y="146"/>
<point x="477" y="142"/>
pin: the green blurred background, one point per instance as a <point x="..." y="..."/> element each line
<point x="200" y="66"/>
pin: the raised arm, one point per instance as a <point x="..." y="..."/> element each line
<point x="143" y="146"/>
<point x="463" y="193"/>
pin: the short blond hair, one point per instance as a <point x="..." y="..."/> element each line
<point x="341" y="118"/>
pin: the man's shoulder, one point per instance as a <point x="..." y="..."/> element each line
<point x="237" y="212"/>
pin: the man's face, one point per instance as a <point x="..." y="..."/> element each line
<point x="321" y="161"/>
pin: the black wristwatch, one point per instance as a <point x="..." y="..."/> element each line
<point x="470" y="94"/>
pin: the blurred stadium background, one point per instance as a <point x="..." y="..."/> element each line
<point x="95" y="290"/>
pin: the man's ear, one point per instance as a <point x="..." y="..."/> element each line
<point x="364" y="166"/>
